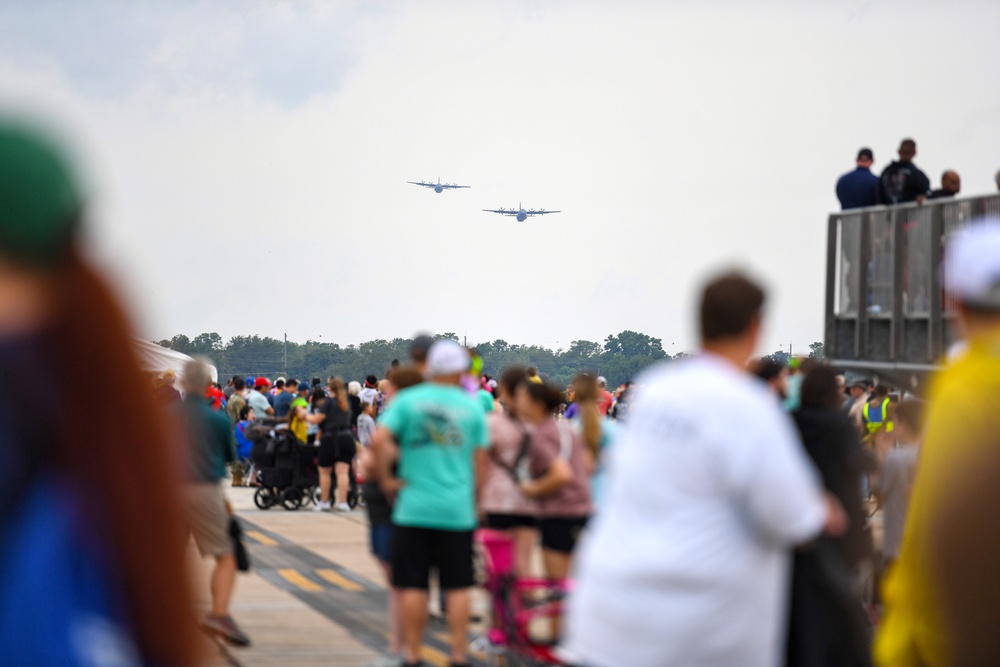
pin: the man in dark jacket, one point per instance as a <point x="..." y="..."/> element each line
<point x="902" y="181"/>
<point x="859" y="188"/>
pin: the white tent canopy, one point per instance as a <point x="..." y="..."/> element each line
<point x="156" y="359"/>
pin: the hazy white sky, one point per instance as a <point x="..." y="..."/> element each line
<point x="248" y="160"/>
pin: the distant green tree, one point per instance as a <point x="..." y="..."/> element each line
<point x="816" y="350"/>
<point x="499" y="345"/>
<point x="631" y="344"/>
<point x="779" y="357"/>
<point x="620" y="358"/>
<point x="180" y="343"/>
<point x="583" y="351"/>
<point x="253" y="356"/>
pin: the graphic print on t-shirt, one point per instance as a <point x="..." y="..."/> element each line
<point x="438" y="427"/>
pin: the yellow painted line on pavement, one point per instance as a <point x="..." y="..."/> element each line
<point x="338" y="579"/>
<point x="295" y="577"/>
<point x="434" y="656"/>
<point x="262" y="538"/>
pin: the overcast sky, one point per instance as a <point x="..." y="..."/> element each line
<point x="247" y="161"/>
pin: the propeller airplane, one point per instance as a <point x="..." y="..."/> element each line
<point x="520" y="212"/>
<point x="439" y="187"/>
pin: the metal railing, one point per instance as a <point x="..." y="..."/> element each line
<point x="886" y="310"/>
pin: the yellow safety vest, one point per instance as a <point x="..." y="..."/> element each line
<point x="873" y="425"/>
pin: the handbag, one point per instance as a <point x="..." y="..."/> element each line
<point x="239" y="548"/>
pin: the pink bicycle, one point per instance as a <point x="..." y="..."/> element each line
<point x="526" y="611"/>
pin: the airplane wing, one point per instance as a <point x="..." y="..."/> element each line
<point x="502" y="211"/>
<point x="540" y="212"/>
<point x="455" y="187"/>
<point x="426" y="185"/>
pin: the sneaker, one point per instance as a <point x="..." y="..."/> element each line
<point x="484" y="644"/>
<point x="343" y="507"/>
<point x="225" y="627"/>
<point x="566" y="656"/>
<point x="321" y="507"/>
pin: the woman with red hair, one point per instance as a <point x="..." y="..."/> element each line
<point x="92" y="538"/>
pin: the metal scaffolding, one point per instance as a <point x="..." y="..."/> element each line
<point x="887" y="313"/>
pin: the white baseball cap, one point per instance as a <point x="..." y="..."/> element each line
<point x="972" y="264"/>
<point x="446" y="357"/>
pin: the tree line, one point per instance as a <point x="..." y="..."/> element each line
<point x="619" y="358"/>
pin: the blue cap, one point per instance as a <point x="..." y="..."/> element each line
<point x="304" y="386"/>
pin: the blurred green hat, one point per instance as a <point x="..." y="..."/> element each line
<point x="40" y="200"/>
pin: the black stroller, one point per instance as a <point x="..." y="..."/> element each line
<point x="287" y="468"/>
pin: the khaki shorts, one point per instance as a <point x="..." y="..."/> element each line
<point x="208" y="519"/>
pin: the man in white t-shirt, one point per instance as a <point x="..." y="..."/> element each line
<point x="688" y="564"/>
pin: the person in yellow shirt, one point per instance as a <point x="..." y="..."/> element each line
<point x="297" y="423"/>
<point x="923" y="625"/>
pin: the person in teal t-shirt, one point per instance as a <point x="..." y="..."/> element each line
<point x="441" y="434"/>
<point x="485" y="399"/>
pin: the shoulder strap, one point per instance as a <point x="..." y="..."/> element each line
<point x="565" y="441"/>
<point x="522" y="452"/>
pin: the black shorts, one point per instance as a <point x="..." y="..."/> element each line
<point x="381" y="537"/>
<point x="560" y="534"/>
<point x="336" y="448"/>
<point x="416" y="550"/>
<point x="508" y="521"/>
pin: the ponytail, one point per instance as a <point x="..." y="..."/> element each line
<point x="587" y="396"/>
<point x="339" y="392"/>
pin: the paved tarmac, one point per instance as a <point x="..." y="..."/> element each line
<point x="314" y="595"/>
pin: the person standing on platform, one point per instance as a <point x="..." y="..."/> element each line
<point x="902" y="181"/>
<point x="951" y="185"/>
<point x="859" y="188"/>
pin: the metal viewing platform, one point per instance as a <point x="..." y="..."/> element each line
<point x="887" y="314"/>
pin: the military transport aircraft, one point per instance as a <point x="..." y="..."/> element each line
<point x="520" y="213"/>
<point x="439" y="186"/>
